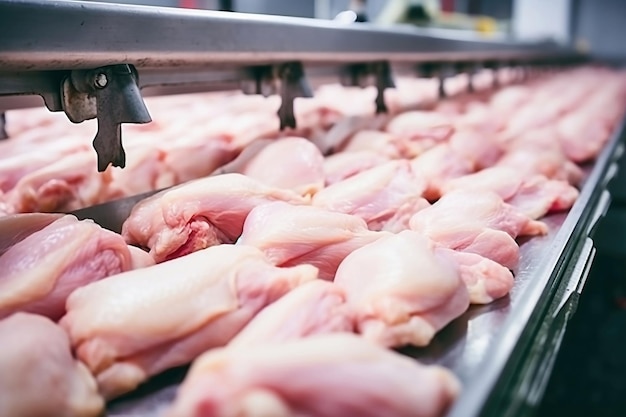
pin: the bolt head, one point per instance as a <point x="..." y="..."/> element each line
<point x="101" y="80"/>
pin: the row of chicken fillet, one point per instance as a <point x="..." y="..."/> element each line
<point x="287" y="279"/>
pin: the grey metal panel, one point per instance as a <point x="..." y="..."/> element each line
<point x="601" y="24"/>
<point x="56" y="34"/>
<point x="298" y="8"/>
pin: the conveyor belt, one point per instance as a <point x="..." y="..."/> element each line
<point x="504" y="347"/>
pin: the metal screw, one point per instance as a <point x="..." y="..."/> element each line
<point x="101" y="80"/>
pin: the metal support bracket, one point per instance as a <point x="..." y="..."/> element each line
<point x="434" y="70"/>
<point x="110" y="94"/>
<point x="3" y="124"/>
<point x="287" y="80"/>
<point x="494" y="66"/>
<point x="471" y="69"/>
<point x="384" y="80"/>
<point x="293" y="84"/>
<point x="376" y="74"/>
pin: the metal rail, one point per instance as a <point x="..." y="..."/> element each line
<point x="42" y="40"/>
<point x="91" y="60"/>
<point x="63" y="35"/>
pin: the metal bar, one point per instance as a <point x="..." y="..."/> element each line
<point x="64" y="35"/>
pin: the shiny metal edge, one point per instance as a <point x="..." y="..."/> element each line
<point x="534" y="296"/>
<point x="62" y="35"/>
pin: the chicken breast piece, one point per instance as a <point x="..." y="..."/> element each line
<point x="140" y="323"/>
<point x="199" y="214"/>
<point x="374" y="195"/>
<point x="38" y="375"/>
<point x="539" y="196"/>
<point x="18" y="227"/>
<point x="293" y="235"/>
<point x="315" y="307"/>
<point x="344" y="165"/>
<point x="309" y="377"/>
<point x="501" y="180"/>
<point x="382" y="143"/>
<point x="584" y="131"/>
<point x="291" y="163"/>
<point x="531" y="158"/>
<point x="535" y="196"/>
<point x="480" y="148"/>
<point x="70" y="183"/>
<point x="486" y="280"/>
<point x="439" y="164"/>
<point x="477" y="222"/>
<point x="403" y="292"/>
<point x="39" y="272"/>
<point x="14" y="167"/>
<point x="416" y="131"/>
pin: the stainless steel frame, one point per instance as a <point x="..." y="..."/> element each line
<point x="44" y="39"/>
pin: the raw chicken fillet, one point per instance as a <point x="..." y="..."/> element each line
<point x="315" y="307"/>
<point x="134" y="325"/>
<point x="38" y="272"/>
<point x="403" y="292"/>
<point x="477" y="222"/>
<point x="38" y="375"/>
<point x="333" y="375"/>
<point x="375" y="195"/>
<point x="198" y="214"/>
<point x="294" y="235"/>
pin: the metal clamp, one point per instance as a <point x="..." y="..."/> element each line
<point x="111" y="95"/>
